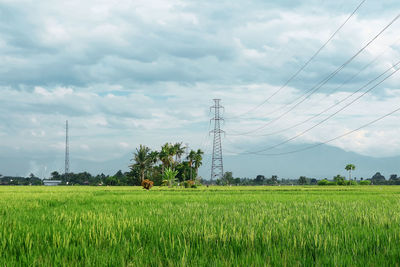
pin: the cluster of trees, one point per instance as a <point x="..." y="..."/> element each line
<point x="85" y="178"/>
<point x="228" y="179"/>
<point x="376" y="179"/>
<point x="157" y="166"/>
<point x="166" y="166"/>
<point x="16" y="180"/>
<point x="162" y="167"/>
<point x="379" y="179"/>
<point x="156" y="174"/>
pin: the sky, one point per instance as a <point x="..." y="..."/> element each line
<point x="125" y="73"/>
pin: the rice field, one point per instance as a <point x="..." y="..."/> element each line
<point x="215" y="226"/>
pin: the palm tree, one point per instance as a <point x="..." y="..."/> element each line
<point x="198" y="157"/>
<point x="166" y="155"/>
<point x="171" y="155"/>
<point x="349" y="168"/>
<point x="154" y="157"/>
<point x="179" y="150"/>
<point x="142" y="160"/>
<point x="191" y="157"/>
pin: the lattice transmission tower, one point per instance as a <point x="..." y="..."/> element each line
<point x="217" y="166"/>
<point x="66" y="169"/>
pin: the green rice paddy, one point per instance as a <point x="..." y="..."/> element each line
<point x="215" y="226"/>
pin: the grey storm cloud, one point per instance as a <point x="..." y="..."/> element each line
<point x="190" y="42"/>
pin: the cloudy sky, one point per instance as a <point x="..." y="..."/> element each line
<point x="125" y="73"/>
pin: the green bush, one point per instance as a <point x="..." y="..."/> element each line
<point x="341" y="182"/>
<point x="325" y="182"/>
<point x="186" y="184"/>
<point x="189" y="184"/>
<point x="351" y="182"/>
<point x="365" y="182"/>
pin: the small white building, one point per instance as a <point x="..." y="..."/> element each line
<point x="51" y="182"/>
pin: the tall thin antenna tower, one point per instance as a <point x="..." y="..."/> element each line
<point x="217" y="167"/>
<point x="66" y="149"/>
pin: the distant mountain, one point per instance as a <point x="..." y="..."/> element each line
<point x="321" y="162"/>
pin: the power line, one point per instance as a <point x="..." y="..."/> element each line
<point x="311" y="91"/>
<point x="205" y="139"/>
<point x="327" y="118"/>
<point x="332" y="106"/>
<point x="333" y="139"/>
<point x="330" y="93"/>
<point x="305" y="64"/>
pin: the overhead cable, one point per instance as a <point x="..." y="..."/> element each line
<point x="304" y="65"/>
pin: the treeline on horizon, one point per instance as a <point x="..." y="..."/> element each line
<point x="166" y="166"/>
<point x="376" y="179"/>
<point x="169" y="167"/>
<point x="129" y="179"/>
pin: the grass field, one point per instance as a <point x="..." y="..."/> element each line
<point x="215" y="226"/>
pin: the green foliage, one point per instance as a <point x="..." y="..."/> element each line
<point x="339" y="180"/>
<point x="227" y="179"/>
<point x="214" y="226"/>
<point x="143" y="159"/>
<point x="351" y="182"/>
<point x="186" y="184"/>
<point x="169" y="175"/>
<point x="184" y="171"/>
<point x="365" y="182"/>
<point x="378" y="178"/>
<point x="30" y="180"/>
<point x="111" y="181"/>
<point x="55" y="176"/>
<point x="189" y="184"/>
<point x="194" y="161"/>
<point x="146" y="163"/>
<point x="302" y="180"/>
<point x="349" y="168"/>
<point x="326" y="182"/>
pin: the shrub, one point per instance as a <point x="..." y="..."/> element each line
<point x="325" y="182"/>
<point x="322" y="182"/>
<point x="365" y="182"/>
<point x="351" y="182"/>
<point x="341" y="182"/>
<point x="169" y="175"/>
<point x="147" y="184"/>
<point x="189" y="184"/>
<point x="164" y="182"/>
